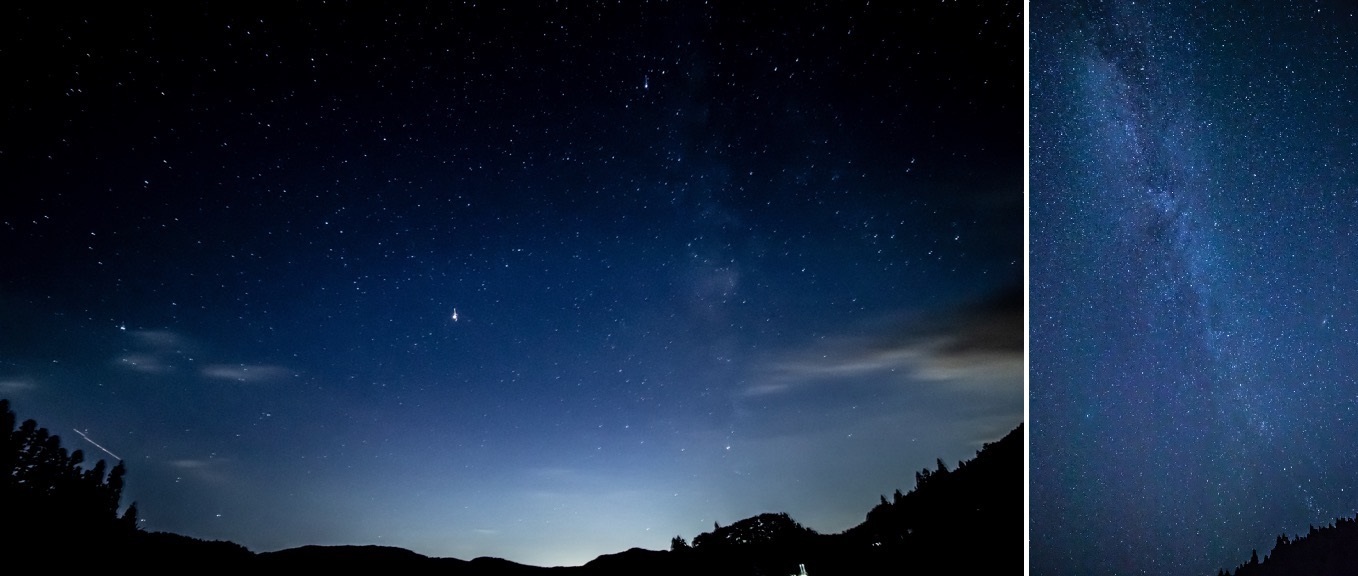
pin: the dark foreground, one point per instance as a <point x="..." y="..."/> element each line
<point x="60" y="514"/>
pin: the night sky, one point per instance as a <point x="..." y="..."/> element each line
<point x="1194" y="273"/>
<point x="549" y="282"/>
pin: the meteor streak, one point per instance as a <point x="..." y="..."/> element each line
<point x="96" y="444"/>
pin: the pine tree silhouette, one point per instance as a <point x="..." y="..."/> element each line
<point x="50" y="499"/>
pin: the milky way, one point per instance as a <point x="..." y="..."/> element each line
<point x="1192" y="181"/>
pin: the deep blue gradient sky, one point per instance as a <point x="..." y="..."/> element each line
<point x="1194" y="185"/>
<point x="707" y="262"/>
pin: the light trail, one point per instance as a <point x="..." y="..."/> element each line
<point x="96" y="444"/>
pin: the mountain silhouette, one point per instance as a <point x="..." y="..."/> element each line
<point x="968" y="519"/>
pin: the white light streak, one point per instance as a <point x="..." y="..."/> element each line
<point x="96" y="444"/>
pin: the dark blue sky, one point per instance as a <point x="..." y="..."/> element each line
<point x="1193" y="178"/>
<point x="707" y="261"/>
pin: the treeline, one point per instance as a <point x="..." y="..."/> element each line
<point x="968" y="519"/>
<point x="971" y="514"/>
<point x="59" y="512"/>
<point x="1327" y="551"/>
<point x="49" y="496"/>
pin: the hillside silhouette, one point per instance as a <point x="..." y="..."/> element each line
<point x="1328" y="551"/>
<point x="969" y="518"/>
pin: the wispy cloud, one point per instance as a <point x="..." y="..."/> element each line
<point x="156" y="352"/>
<point x="164" y="351"/>
<point x="147" y="363"/>
<point x="982" y="342"/>
<point x="212" y="469"/>
<point x="15" y="385"/>
<point x="246" y="373"/>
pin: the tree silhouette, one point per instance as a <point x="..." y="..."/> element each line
<point x="678" y="544"/>
<point x="1326" y="551"/>
<point x="49" y="496"/>
<point x="963" y="520"/>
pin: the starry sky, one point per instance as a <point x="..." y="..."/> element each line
<point x="1194" y="193"/>
<point x="539" y="281"/>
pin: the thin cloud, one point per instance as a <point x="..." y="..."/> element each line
<point x="13" y="386"/>
<point x="157" y="352"/>
<point x="246" y="373"/>
<point x="211" y="470"/>
<point x="987" y="342"/>
<point x="145" y="363"/>
<point x="995" y="325"/>
<point x="982" y="342"/>
<point x="970" y="367"/>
